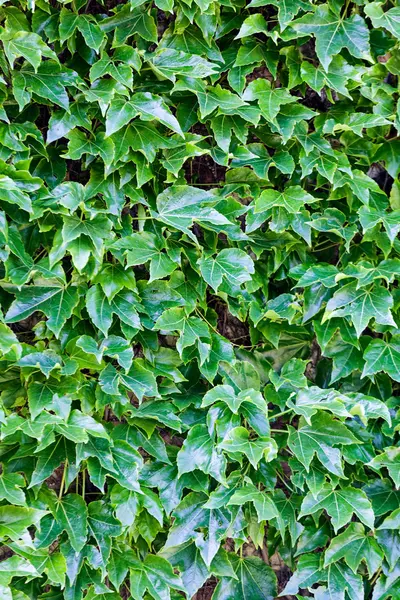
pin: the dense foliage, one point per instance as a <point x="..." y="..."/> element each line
<point x="199" y="341"/>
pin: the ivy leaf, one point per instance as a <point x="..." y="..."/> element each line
<point x="15" y="566"/>
<point x="47" y="394"/>
<point x="237" y="442"/>
<point x="287" y="9"/>
<point x="25" y="44"/>
<point x="388" y="19"/>
<point x="157" y="576"/>
<point x="387" y="586"/>
<point x="382" y="356"/>
<point x="79" y="144"/>
<point x="198" y="452"/>
<point x="254" y="577"/>
<point x="71" y="514"/>
<point x="57" y="303"/>
<point x="340" y="504"/>
<point x="361" y="305"/>
<point x="49" y="81"/>
<point x="143" y="247"/>
<point x="261" y="161"/>
<point x="291" y="199"/>
<point x="309" y="571"/>
<point x="392" y="521"/>
<point x="189" y="515"/>
<point x="102" y="525"/>
<point x="233" y="265"/>
<point x="253" y="24"/>
<point x="269" y="99"/>
<point x="333" y="32"/>
<point x="140" y="380"/>
<point x="264" y="505"/>
<point x="310" y="400"/>
<point x="337" y="77"/>
<point x="340" y="579"/>
<point x="389" y="458"/>
<point x="147" y="106"/>
<point x="181" y="206"/>
<point x="99" y="308"/>
<point x="15" y="520"/>
<point x="319" y="438"/>
<point x="53" y="565"/>
<point x="170" y="63"/>
<point x="10" y="488"/>
<point x="370" y="217"/>
<point x="187" y="558"/>
<point x="346" y="358"/>
<point x="383" y="497"/>
<point x="354" y="546"/>
<point x="126" y="22"/>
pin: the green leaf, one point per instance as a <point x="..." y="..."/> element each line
<point x="354" y="546"/>
<point x="319" y="438"/>
<point x="170" y="63"/>
<point x="187" y="559"/>
<point x="102" y="525"/>
<point x="15" y="566"/>
<point x="126" y="22"/>
<point x="71" y="514"/>
<point x="10" y="488"/>
<point x="287" y="9"/>
<point x="28" y="45"/>
<point x="100" y="145"/>
<point x="333" y="32"/>
<point x="253" y="24"/>
<point x="198" y="452"/>
<point x="340" y="504"/>
<point x="57" y="303"/>
<point x="15" y="520"/>
<point x="180" y="206"/>
<point x="48" y="81"/>
<point x="291" y="199"/>
<point x="389" y="458"/>
<point x="189" y="515"/>
<point x="264" y="505"/>
<point x="254" y="578"/>
<point x="99" y="308"/>
<point x="388" y="19"/>
<point x="147" y="106"/>
<point x="361" y="305"/>
<point x="233" y="265"/>
<point x="308" y="572"/>
<point x="237" y="442"/>
<point x="382" y="356"/>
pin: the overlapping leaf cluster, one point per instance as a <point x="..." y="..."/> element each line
<point x="199" y="336"/>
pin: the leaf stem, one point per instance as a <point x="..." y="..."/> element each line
<point x="83" y="482"/>
<point x="375" y="577"/>
<point x="284" y="412"/>
<point x="278" y="430"/>
<point x="285" y="482"/>
<point x="63" y="479"/>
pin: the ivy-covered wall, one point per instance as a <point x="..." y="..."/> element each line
<point x="199" y="325"/>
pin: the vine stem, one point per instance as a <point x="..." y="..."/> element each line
<point x="375" y="577"/>
<point x="284" y="412"/>
<point x="278" y="430"/>
<point x="285" y="482"/>
<point x="83" y="483"/>
<point x="63" y="479"/>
